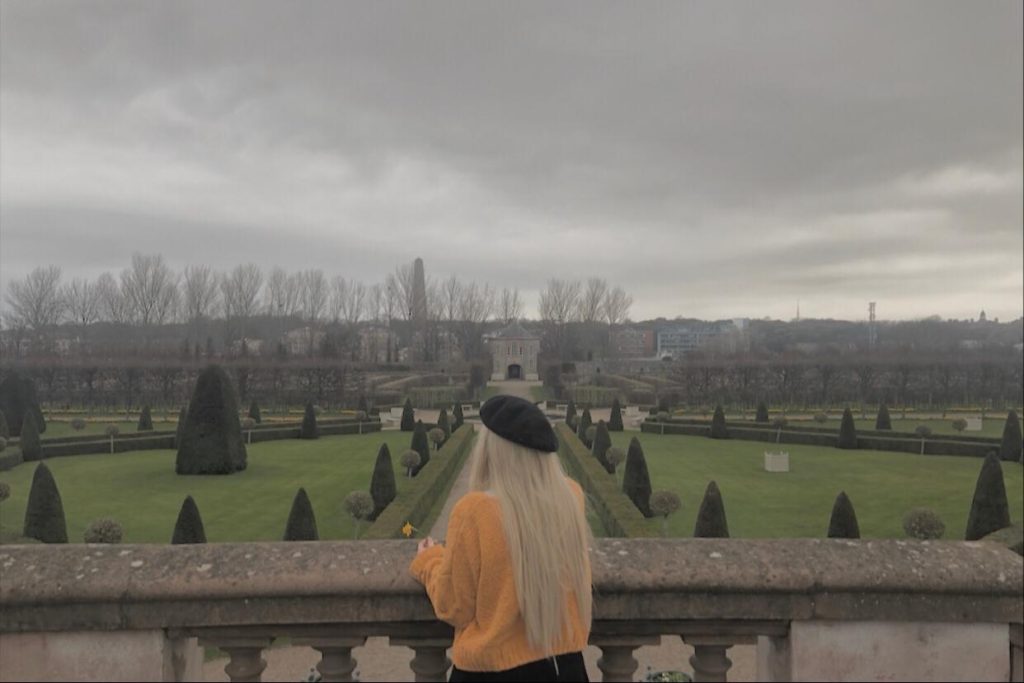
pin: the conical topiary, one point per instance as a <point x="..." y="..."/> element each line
<point x="254" y="412"/>
<point x="211" y="440"/>
<point x="180" y="428"/>
<point x="44" y="513"/>
<point x="145" y="420"/>
<point x="362" y="405"/>
<point x="615" y="419"/>
<point x="989" y="508"/>
<point x="18" y="399"/>
<point x="585" y="422"/>
<point x="762" y="412"/>
<point x="711" y="522"/>
<point x="843" y="523"/>
<point x="31" y="449"/>
<point x="718" y="428"/>
<point x="444" y="425"/>
<point x="636" y="482"/>
<point x="458" y="417"/>
<point x="570" y="414"/>
<point x="421" y="444"/>
<point x="309" y="428"/>
<point x="301" y="520"/>
<point x="883" y="422"/>
<point x="847" y="431"/>
<point x="189" y="526"/>
<point x="1011" y="446"/>
<point x="408" y="417"/>
<point x="602" y="442"/>
<point x="5" y="431"/>
<point x="382" y="484"/>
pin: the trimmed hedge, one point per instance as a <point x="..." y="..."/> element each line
<point x="617" y="513"/>
<point x="415" y="502"/>
<point x="895" y="442"/>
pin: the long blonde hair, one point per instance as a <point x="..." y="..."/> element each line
<point x="546" y="531"/>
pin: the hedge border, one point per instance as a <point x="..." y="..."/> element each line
<point x="897" y="444"/>
<point x="616" y="511"/>
<point x="148" y="441"/>
<point x="834" y="430"/>
<point x="415" y="502"/>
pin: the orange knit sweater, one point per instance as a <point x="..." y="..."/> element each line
<point x="472" y="587"/>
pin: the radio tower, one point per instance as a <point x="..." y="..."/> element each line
<point x="872" y="328"/>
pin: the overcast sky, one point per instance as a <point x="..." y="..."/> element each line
<point x="717" y="159"/>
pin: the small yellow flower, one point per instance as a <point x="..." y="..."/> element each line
<point x="408" y="529"/>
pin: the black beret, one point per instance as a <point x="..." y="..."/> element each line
<point x="519" y="421"/>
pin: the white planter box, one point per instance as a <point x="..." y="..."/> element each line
<point x="776" y="462"/>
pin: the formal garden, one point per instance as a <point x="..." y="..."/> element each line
<point x="220" y="473"/>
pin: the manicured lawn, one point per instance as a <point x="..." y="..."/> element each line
<point x="882" y="485"/>
<point x="141" y="490"/>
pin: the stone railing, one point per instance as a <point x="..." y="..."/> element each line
<point x="817" y="609"/>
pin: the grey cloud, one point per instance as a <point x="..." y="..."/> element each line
<point x="673" y="147"/>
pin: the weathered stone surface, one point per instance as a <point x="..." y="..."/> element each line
<point x="190" y="586"/>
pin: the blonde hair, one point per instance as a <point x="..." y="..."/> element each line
<point x="546" y="531"/>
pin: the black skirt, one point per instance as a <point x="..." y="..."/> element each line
<point x="570" y="668"/>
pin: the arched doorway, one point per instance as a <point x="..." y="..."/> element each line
<point x="515" y="371"/>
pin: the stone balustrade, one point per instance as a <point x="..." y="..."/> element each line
<point x="816" y="608"/>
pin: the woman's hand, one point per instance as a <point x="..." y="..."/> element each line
<point x="427" y="542"/>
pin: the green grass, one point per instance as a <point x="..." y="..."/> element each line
<point x="883" y="486"/>
<point x="540" y="393"/>
<point x="141" y="490"/>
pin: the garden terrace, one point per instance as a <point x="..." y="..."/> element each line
<point x="817" y="609"/>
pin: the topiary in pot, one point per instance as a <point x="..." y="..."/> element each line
<point x="359" y="504"/>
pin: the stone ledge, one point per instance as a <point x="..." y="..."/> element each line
<point x="188" y="586"/>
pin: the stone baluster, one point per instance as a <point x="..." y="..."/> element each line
<point x="430" y="662"/>
<point x="616" y="661"/>
<point x="709" y="661"/>
<point x="245" y="655"/>
<point x="336" y="662"/>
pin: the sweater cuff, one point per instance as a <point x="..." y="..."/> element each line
<point x="422" y="563"/>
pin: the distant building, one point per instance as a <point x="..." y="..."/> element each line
<point x="632" y="343"/>
<point x="514" y="353"/>
<point x="303" y="340"/>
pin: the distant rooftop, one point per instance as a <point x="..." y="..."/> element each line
<point x="513" y="331"/>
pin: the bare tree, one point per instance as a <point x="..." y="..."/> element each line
<point x="591" y="299"/>
<point x="511" y="306"/>
<point x="150" y="289"/>
<point x="113" y="303"/>
<point x="313" y="295"/>
<point x="355" y="302"/>
<point x="240" y="290"/>
<point x="476" y="306"/>
<point x="199" y="293"/>
<point x="401" y="285"/>
<point x="282" y="293"/>
<point x="616" y="305"/>
<point x="36" y="302"/>
<point x="375" y="302"/>
<point x="559" y="302"/>
<point x="82" y="302"/>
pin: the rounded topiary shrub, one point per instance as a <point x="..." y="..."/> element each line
<point x="78" y="424"/>
<point x="436" y="436"/>
<point x="112" y="430"/>
<point x="820" y="418"/>
<point x="923" y="523"/>
<point x="410" y="460"/>
<point x="211" y="440"/>
<point x="104" y="530"/>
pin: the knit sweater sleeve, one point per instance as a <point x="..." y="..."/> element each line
<point x="450" y="573"/>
